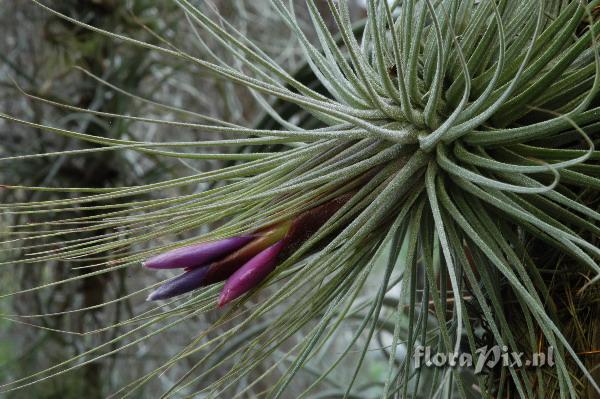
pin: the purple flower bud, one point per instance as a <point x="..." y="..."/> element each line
<point x="196" y="255"/>
<point x="250" y="274"/>
<point x="181" y="284"/>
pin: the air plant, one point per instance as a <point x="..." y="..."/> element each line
<point x="244" y="261"/>
<point x="463" y="136"/>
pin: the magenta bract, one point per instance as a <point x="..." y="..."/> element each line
<point x="251" y="273"/>
<point x="193" y="256"/>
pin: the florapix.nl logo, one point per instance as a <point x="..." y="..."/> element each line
<point x="484" y="357"/>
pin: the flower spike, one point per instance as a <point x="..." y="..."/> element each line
<point x="235" y="257"/>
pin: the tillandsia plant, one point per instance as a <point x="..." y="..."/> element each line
<point x="442" y="150"/>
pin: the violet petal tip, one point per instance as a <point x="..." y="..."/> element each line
<point x="151" y="297"/>
<point x="224" y="299"/>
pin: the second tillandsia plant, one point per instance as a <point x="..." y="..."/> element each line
<point x="429" y="178"/>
